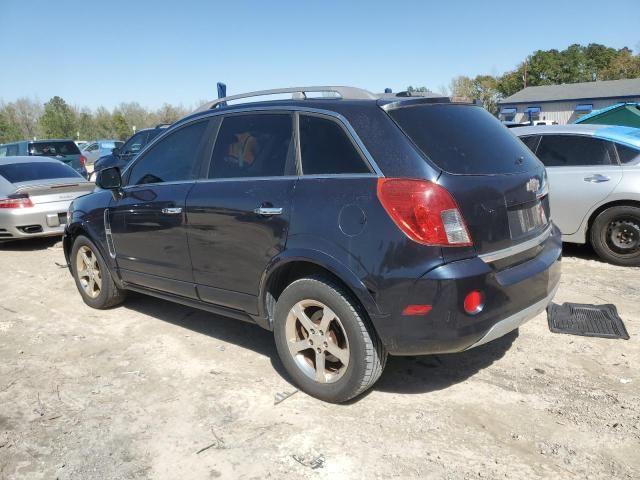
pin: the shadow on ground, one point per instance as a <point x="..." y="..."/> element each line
<point x="583" y="251"/>
<point x="30" y="244"/>
<point x="402" y="374"/>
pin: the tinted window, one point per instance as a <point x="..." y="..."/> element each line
<point x="53" y="148"/>
<point x="253" y="146"/>
<point x="573" y="150"/>
<point x="26" y="172"/>
<point x="174" y="159"/>
<point x="464" y="139"/>
<point x="627" y="154"/>
<point x="134" y="144"/>
<point x="531" y="142"/>
<point x="326" y="148"/>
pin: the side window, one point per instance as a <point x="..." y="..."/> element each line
<point x="254" y="145"/>
<point x="326" y="148"/>
<point x="574" y="150"/>
<point x="174" y="159"/>
<point x="626" y="154"/>
<point x="3" y="151"/>
<point x="134" y="144"/>
<point x="531" y="142"/>
<point x="12" y="150"/>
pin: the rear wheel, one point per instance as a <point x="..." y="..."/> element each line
<point x="325" y="341"/>
<point x="615" y="235"/>
<point x="92" y="276"/>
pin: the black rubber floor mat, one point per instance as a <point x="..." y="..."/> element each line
<point x="586" y="320"/>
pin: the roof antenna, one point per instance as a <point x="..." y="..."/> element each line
<point x="222" y="92"/>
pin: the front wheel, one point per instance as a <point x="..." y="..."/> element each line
<point x="615" y="235"/>
<point x="92" y="276"/>
<point x="325" y="341"/>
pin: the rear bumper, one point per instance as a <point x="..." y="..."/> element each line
<point x="512" y="296"/>
<point x="41" y="220"/>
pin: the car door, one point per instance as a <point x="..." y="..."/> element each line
<point x="148" y="220"/>
<point x="582" y="172"/>
<point x="239" y="216"/>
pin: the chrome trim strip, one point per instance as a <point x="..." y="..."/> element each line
<point x="107" y="233"/>
<point x="519" y="248"/>
<point x="514" y="321"/>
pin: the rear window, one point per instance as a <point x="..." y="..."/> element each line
<point x="53" y="148"/>
<point x="464" y="139"/>
<point x="26" y="172"/>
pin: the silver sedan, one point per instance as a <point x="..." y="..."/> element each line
<point x="35" y="193"/>
<point x="594" y="185"/>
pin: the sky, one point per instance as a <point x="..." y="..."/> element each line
<point x="95" y="53"/>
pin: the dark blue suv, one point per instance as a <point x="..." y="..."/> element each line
<point x="352" y="226"/>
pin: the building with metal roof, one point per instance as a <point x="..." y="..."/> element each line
<point x="568" y="102"/>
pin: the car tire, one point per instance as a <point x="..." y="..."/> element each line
<point x="335" y="364"/>
<point x="615" y="235"/>
<point x="92" y="276"/>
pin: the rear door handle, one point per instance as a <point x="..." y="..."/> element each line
<point x="268" y="211"/>
<point x="172" y="211"/>
<point x="597" y="178"/>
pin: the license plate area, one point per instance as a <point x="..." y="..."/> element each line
<point x="526" y="218"/>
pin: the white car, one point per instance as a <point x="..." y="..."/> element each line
<point x="594" y="185"/>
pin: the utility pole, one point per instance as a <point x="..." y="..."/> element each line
<point x="524" y="78"/>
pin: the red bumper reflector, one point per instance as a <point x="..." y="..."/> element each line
<point x="473" y="302"/>
<point x="416" y="310"/>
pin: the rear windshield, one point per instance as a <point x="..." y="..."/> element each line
<point x="53" y="148"/>
<point x="26" y="172"/>
<point x="464" y="139"/>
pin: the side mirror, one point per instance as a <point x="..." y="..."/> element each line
<point x="115" y="151"/>
<point x="109" y="179"/>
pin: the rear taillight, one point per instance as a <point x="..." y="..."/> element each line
<point x="17" y="201"/>
<point x="83" y="160"/>
<point x="424" y="211"/>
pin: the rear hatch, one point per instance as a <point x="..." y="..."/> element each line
<point x="64" y="150"/>
<point x="498" y="184"/>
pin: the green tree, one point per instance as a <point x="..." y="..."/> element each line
<point x="58" y="120"/>
<point x="9" y="129"/>
<point x="623" y="65"/>
<point x="120" y="126"/>
<point x="462" y="86"/>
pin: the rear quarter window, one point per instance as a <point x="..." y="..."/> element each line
<point x="627" y="155"/>
<point x="464" y="139"/>
<point x="30" y="171"/>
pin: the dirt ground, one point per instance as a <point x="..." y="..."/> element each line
<point x="157" y="390"/>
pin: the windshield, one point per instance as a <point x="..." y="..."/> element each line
<point x="464" y="139"/>
<point x="29" y="171"/>
<point x="53" y="148"/>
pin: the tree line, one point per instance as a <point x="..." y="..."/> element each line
<point x="576" y="63"/>
<point x="25" y="119"/>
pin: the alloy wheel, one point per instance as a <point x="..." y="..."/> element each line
<point x="317" y="341"/>
<point x="88" y="271"/>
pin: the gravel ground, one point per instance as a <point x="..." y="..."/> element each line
<point x="157" y="390"/>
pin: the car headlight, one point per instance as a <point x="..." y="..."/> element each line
<point x="69" y="212"/>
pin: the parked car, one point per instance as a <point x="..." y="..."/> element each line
<point x="124" y="153"/>
<point x="64" y="150"/>
<point x="594" y="177"/>
<point x="99" y="148"/>
<point x="81" y="144"/>
<point x="35" y="193"/>
<point x="352" y="227"/>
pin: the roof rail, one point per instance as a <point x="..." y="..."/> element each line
<point x="350" y="93"/>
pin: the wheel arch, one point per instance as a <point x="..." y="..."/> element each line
<point x="602" y="208"/>
<point x="292" y="265"/>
